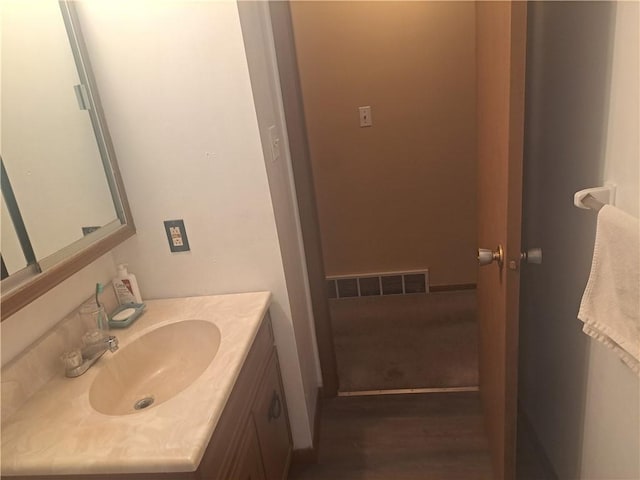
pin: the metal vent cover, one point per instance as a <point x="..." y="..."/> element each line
<point x="378" y="284"/>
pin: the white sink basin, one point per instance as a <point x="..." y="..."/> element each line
<point x="154" y="368"/>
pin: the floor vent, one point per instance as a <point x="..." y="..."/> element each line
<point x="376" y="284"/>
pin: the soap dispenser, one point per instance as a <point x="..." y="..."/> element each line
<point x="126" y="286"/>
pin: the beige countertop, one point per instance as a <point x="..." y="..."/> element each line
<point x="57" y="431"/>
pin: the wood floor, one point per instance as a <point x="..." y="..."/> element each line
<point x="406" y="341"/>
<point x="400" y="437"/>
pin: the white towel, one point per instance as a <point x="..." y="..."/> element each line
<point x="610" y="307"/>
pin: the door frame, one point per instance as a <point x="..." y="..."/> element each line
<point x="514" y="219"/>
<point x="284" y="44"/>
<point x="294" y="113"/>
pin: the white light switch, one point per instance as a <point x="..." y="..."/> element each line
<point x="365" y="116"/>
<point x="274" y="140"/>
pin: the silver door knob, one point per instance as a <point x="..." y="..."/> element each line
<point x="486" y="256"/>
<point x="533" y="255"/>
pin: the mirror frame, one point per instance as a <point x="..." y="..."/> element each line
<point x="38" y="284"/>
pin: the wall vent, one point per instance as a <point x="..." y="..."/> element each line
<point x="376" y="284"/>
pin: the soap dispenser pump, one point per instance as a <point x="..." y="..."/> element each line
<point x="126" y="286"/>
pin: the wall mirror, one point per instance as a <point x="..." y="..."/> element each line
<point x="63" y="202"/>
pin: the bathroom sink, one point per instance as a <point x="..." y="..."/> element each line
<point x="154" y="368"/>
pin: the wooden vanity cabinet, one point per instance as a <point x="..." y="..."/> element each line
<point x="248" y="464"/>
<point x="252" y="439"/>
<point x="269" y="414"/>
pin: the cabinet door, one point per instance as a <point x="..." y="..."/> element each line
<point x="248" y="462"/>
<point x="272" y="423"/>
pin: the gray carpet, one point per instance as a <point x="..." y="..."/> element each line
<point x="406" y="341"/>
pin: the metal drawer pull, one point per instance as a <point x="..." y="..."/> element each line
<point x="275" y="409"/>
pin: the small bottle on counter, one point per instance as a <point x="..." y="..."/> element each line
<point x="126" y="286"/>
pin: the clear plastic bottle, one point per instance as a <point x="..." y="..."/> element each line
<point x="126" y="286"/>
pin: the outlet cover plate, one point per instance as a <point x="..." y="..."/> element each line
<point x="176" y="235"/>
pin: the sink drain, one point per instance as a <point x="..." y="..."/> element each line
<point x="143" y="403"/>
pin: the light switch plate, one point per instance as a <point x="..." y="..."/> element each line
<point x="274" y="141"/>
<point x="365" y="116"/>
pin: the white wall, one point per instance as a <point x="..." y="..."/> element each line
<point x="622" y="157"/>
<point x="611" y="445"/>
<point x="582" y="130"/>
<point x="174" y="83"/>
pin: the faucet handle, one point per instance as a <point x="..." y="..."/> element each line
<point x="71" y="359"/>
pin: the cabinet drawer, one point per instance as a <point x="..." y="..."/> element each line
<point x="272" y="423"/>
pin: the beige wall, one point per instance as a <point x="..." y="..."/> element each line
<point x="400" y="194"/>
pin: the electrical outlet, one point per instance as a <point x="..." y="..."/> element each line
<point x="177" y="235"/>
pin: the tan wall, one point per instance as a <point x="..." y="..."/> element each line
<point x="400" y="194"/>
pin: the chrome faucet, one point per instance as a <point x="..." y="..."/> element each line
<point x="76" y="365"/>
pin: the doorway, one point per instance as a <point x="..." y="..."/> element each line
<point x="500" y="81"/>
<point x="395" y="192"/>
